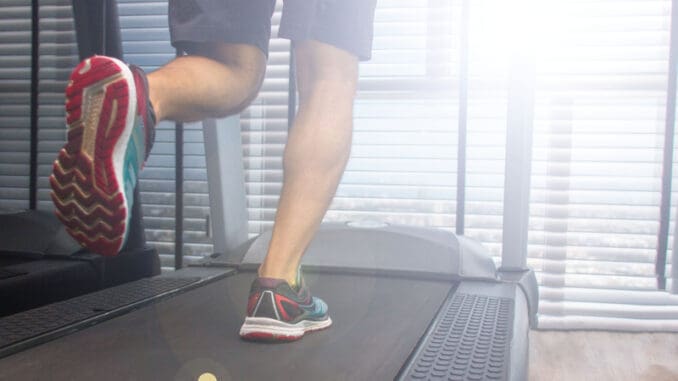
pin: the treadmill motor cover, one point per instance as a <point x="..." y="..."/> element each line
<point x="34" y="234"/>
<point x="388" y="248"/>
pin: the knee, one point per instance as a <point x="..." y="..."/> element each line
<point x="334" y="91"/>
<point x="250" y="77"/>
<point x="244" y="66"/>
<point x="253" y="78"/>
<point x="325" y="71"/>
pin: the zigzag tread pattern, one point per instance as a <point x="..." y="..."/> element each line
<point x="89" y="199"/>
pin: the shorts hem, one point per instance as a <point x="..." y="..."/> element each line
<point x="361" y="49"/>
<point x="183" y="39"/>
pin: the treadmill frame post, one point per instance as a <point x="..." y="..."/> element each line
<point x="667" y="164"/>
<point x="520" y="115"/>
<point x="97" y="28"/>
<point x="674" y="263"/>
<point x="226" y="182"/>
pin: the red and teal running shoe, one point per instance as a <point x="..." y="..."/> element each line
<point x="276" y="312"/>
<point x="111" y="128"/>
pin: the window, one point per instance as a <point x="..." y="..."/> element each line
<point x="599" y="116"/>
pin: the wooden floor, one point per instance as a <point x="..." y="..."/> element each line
<point x="602" y="356"/>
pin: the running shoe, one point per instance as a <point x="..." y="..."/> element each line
<point x="276" y="312"/>
<point x="111" y="128"/>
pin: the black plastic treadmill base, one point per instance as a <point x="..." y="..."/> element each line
<point x="35" y="326"/>
<point x="469" y="340"/>
<point x="6" y="274"/>
<point x="50" y="278"/>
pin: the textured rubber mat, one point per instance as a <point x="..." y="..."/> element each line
<point x="51" y="318"/>
<point x="469" y="340"/>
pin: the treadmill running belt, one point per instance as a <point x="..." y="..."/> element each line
<point x="377" y="323"/>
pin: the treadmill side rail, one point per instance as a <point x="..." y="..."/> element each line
<point x="527" y="282"/>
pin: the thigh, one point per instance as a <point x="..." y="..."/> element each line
<point x="345" y="24"/>
<point x="194" y="22"/>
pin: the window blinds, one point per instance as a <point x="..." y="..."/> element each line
<point x="599" y="125"/>
<point x="58" y="55"/>
<point x="264" y="133"/>
<point x="596" y="172"/>
<point x="403" y="166"/>
<point x="15" y="82"/>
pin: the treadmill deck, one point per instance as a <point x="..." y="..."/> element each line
<point x="378" y="322"/>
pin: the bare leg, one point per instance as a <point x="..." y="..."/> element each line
<point x="215" y="80"/>
<point x="317" y="150"/>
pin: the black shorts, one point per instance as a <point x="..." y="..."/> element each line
<point x="345" y="24"/>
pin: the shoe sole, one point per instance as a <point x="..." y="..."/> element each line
<point x="267" y="329"/>
<point x="91" y="176"/>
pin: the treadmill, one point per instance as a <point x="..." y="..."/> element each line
<point x="39" y="262"/>
<point x="407" y="303"/>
